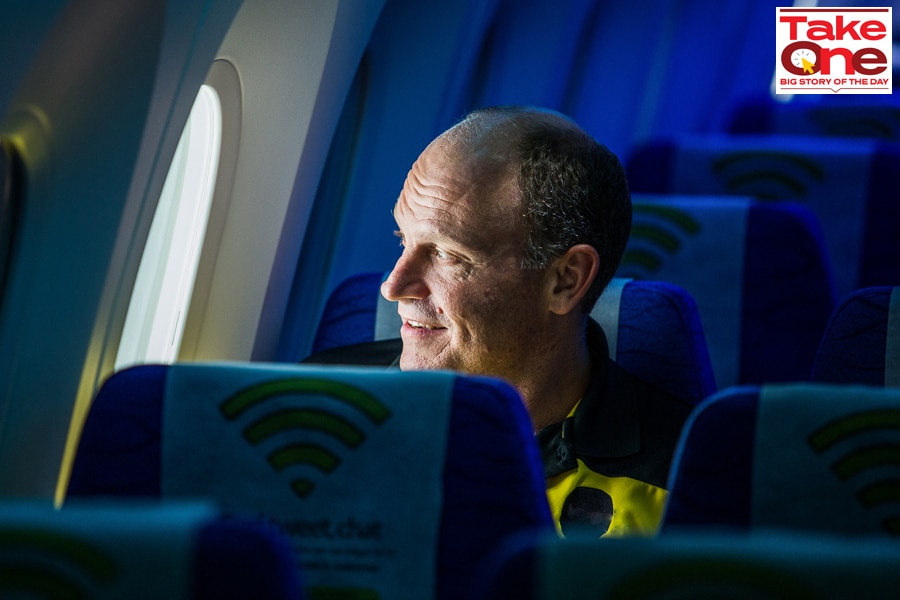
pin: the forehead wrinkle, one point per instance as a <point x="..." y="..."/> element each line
<point x="462" y="198"/>
<point x="435" y="181"/>
<point x="419" y="175"/>
<point x="434" y="199"/>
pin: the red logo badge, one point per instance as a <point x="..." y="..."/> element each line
<point x="833" y="50"/>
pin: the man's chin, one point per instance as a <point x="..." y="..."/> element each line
<point x="411" y="361"/>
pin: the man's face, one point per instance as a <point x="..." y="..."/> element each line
<point x="465" y="301"/>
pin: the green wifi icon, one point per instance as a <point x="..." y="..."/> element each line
<point x="298" y="419"/>
<point x="65" y="566"/>
<point x="767" y="174"/>
<point x="658" y="231"/>
<point x="865" y="456"/>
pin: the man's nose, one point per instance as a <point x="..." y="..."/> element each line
<point x="406" y="281"/>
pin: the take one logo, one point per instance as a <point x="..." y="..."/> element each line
<point x="298" y="421"/>
<point x="878" y="458"/>
<point x="41" y="563"/>
<point x="834" y="50"/>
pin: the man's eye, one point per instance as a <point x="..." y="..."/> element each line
<point x="441" y="254"/>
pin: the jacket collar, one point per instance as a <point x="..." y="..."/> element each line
<point x="606" y="424"/>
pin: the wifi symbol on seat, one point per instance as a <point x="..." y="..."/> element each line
<point x="56" y="558"/>
<point x="658" y="231"/>
<point x="316" y="419"/>
<point x="865" y="457"/>
<point x="767" y="174"/>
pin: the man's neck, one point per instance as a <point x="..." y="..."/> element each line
<point x="554" y="389"/>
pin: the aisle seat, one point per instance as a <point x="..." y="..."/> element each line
<point x="104" y="549"/>
<point x="861" y="343"/>
<point x="391" y="484"/>
<point x="801" y="457"/>
<point x="849" y="184"/>
<point x="759" y="273"/>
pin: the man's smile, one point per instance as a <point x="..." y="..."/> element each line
<point x="419" y="325"/>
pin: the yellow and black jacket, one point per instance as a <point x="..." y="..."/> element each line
<point x="608" y="462"/>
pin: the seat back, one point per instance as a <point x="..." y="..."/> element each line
<point x="759" y="274"/>
<point x="102" y="550"/>
<point x="767" y="565"/>
<point x="653" y="329"/>
<point x="861" y="343"/>
<point x="812" y="457"/>
<point x="872" y="119"/>
<point x="390" y="483"/>
<point x="356" y="312"/>
<point x="847" y="183"/>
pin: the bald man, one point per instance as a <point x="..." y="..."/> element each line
<point x="512" y="224"/>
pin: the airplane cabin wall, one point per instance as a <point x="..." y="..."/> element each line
<point x="96" y="155"/>
<point x="68" y="221"/>
<point x="95" y="120"/>
<point x="296" y="61"/>
<point x="23" y="25"/>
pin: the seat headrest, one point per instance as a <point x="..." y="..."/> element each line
<point x="826" y="458"/>
<point x="299" y="444"/>
<point x="130" y="549"/>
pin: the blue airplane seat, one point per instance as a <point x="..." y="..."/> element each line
<point x="861" y="343"/>
<point x="247" y="558"/>
<point x="352" y="311"/>
<point x="801" y="456"/>
<point x="770" y="565"/>
<point x="759" y="274"/>
<point x="382" y="478"/>
<point x="653" y="329"/>
<point x="872" y="118"/>
<point x="179" y="550"/>
<point x="849" y="184"/>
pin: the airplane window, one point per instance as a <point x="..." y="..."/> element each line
<point x="155" y="320"/>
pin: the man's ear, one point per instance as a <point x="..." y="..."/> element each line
<point x="571" y="276"/>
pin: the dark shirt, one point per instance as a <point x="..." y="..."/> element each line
<point x="381" y="353"/>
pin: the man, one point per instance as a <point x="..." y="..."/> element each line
<point x="512" y="223"/>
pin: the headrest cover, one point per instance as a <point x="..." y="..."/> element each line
<point x="825" y="458"/>
<point x="830" y="176"/>
<point x="103" y="551"/>
<point x="766" y="565"/>
<point x="892" y="343"/>
<point x="387" y="319"/>
<point x="691" y="228"/>
<point x="606" y="312"/>
<point x="349" y="462"/>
